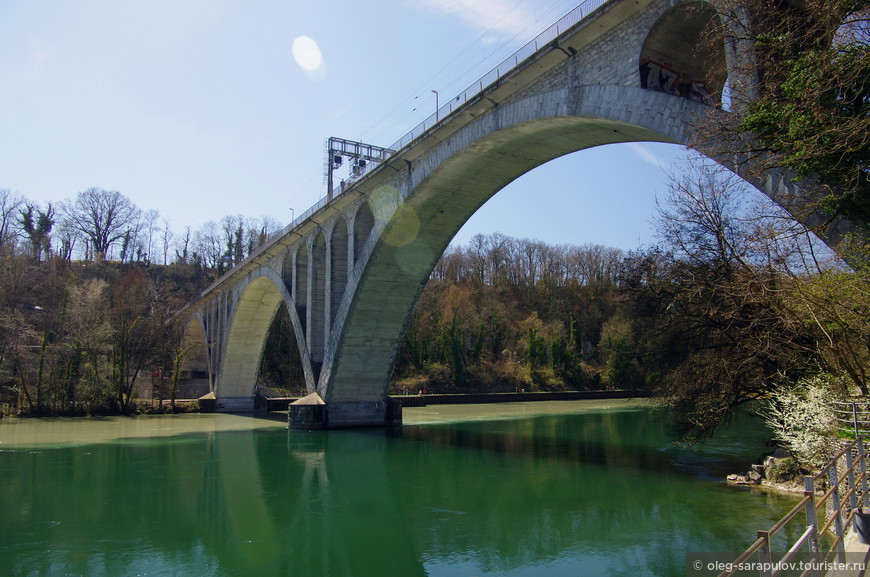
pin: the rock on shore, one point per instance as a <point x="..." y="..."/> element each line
<point x="772" y="473"/>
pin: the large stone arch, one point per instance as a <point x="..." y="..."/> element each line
<point x="455" y="179"/>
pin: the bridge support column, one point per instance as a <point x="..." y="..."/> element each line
<point x="312" y="412"/>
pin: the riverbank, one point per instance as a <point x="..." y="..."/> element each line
<point x="424" y="400"/>
<point x="18" y="432"/>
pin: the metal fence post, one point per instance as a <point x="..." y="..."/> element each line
<point x="764" y="558"/>
<point x="812" y="517"/>
<point x="838" y="512"/>
<point x="812" y="521"/>
<point x="850" y="480"/>
<point x="862" y="467"/>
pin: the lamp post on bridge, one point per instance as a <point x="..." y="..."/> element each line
<point x="436" y="105"/>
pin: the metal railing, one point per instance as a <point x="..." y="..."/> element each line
<point x="853" y="417"/>
<point x="543" y="39"/>
<point x="828" y="514"/>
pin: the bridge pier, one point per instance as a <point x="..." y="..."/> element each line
<point x="236" y="405"/>
<point x="312" y="412"/>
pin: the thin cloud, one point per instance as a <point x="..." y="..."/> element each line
<point x="647" y="155"/>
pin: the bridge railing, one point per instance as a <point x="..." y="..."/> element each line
<point x="543" y="39"/>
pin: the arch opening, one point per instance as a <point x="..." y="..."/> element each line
<point x="281" y="368"/>
<point x="287" y="271"/>
<point x="300" y="286"/>
<point x="339" y="248"/>
<point x="678" y="58"/>
<point x="195" y="375"/>
<point x="318" y="318"/>
<point x="246" y="337"/>
<point x="363" y="224"/>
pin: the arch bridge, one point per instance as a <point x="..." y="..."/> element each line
<point x="349" y="271"/>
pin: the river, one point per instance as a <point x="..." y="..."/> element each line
<point x="526" y="489"/>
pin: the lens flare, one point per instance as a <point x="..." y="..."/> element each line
<point x="307" y="53"/>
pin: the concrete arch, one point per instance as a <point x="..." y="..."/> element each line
<point x="257" y="304"/>
<point x="453" y="181"/>
<point x="449" y="185"/>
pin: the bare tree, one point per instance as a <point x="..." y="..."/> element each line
<point x="67" y="235"/>
<point x="182" y="252"/>
<point x="167" y="240"/>
<point x="269" y="226"/>
<point x="150" y="229"/>
<point x="208" y="246"/>
<point x="102" y="216"/>
<point x="10" y="203"/>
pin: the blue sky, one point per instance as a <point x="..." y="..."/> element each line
<point x="202" y="108"/>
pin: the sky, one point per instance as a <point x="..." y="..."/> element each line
<point x="201" y="109"/>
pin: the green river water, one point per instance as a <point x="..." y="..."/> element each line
<point x="527" y="489"/>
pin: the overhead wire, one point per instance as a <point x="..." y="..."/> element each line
<point x="457" y="74"/>
<point x="464" y="68"/>
<point x="406" y="104"/>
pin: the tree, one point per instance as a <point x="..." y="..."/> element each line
<point x="167" y="238"/>
<point x="803" y="417"/>
<point x="182" y="254"/>
<point x="150" y="228"/>
<point x="207" y="246"/>
<point x="102" y="216"/>
<point x="807" y="106"/>
<point x="717" y="304"/>
<point x="10" y="204"/>
<point x="68" y="237"/>
<point x="38" y="229"/>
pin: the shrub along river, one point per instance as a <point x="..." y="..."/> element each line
<point x="526" y="489"/>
